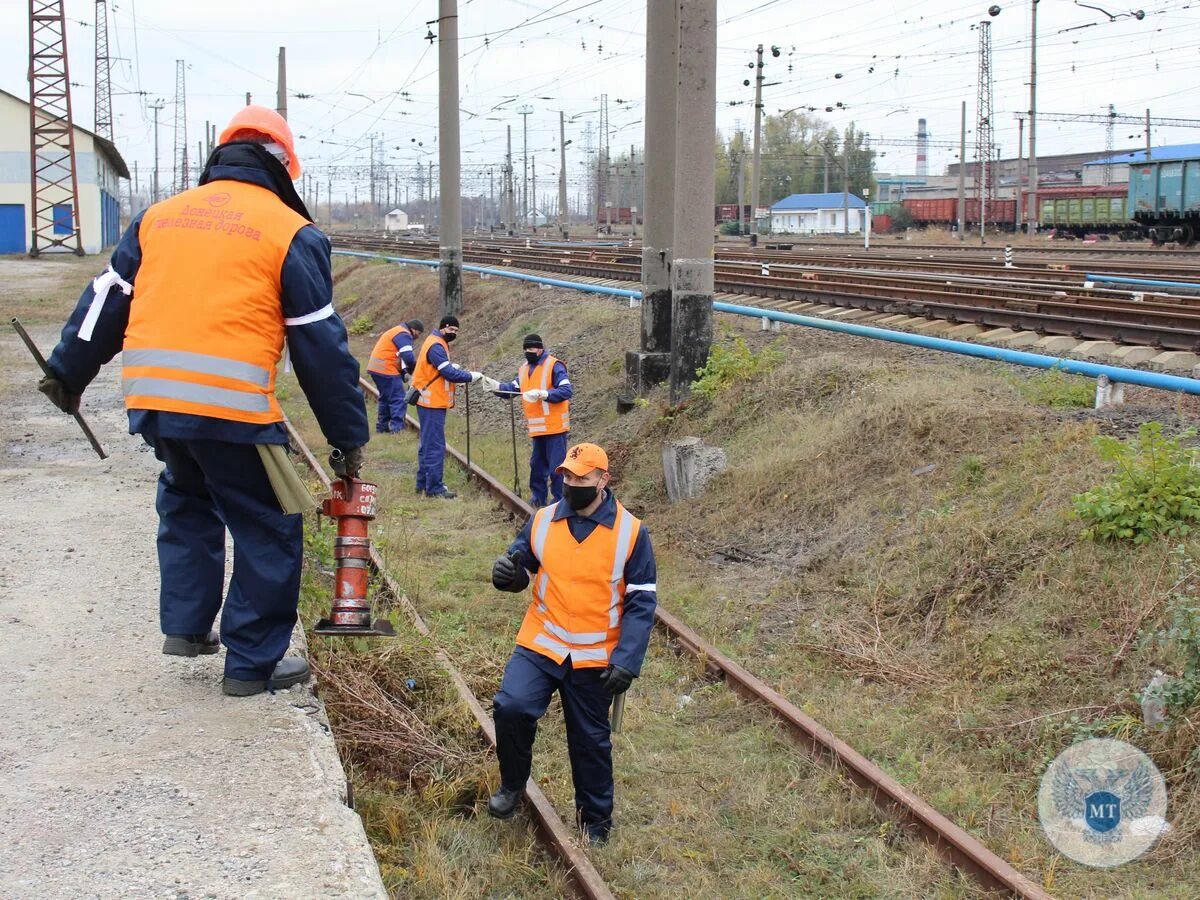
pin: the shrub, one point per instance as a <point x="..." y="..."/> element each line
<point x="730" y="228"/>
<point x="729" y="364"/>
<point x="1155" y="490"/>
<point x="1181" y="636"/>
<point x="1058" y="390"/>
<point x="361" y="324"/>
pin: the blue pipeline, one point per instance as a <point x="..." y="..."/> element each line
<point x="1142" y="282"/>
<point x="980" y="351"/>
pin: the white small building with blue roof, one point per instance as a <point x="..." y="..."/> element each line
<point x="1118" y="166"/>
<point x="818" y="214"/>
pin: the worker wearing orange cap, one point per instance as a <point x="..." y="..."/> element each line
<point x="199" y="297"/>
<point x="584" y="635"/>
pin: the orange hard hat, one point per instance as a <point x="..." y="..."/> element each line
<point x="260" y="120"/>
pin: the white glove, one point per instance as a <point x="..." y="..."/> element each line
<point x="533" y="395"/>
<point x="490" y="384"/>
<point x="476" y="377"/>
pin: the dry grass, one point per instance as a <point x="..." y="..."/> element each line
<point x="43" y="291"/>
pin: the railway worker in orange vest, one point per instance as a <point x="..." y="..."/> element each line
<point x="584" y="635"/>
<point x="546" y="393"/>
<point x="435" y="379"/>
<point x="392" y="362"/>
<point x="199" y="297"/>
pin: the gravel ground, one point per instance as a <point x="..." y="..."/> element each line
<point x="128" y="773"/>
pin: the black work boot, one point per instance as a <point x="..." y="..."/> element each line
<point x="191" y="644"/>
<point x="445" y="495"/>
<point x="503" y="803"/>
<point x="288" y="671"/>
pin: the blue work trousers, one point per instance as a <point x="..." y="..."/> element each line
<point x="549" y="451"/>
<point x="205" y="487"/>
<point x="431" y="451"/>
<point x="530" y="679"/>
<point x="391" y="402"/>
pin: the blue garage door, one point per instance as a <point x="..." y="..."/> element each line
<point x="12" y="228"/>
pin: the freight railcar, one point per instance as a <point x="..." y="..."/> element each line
<point x="728" y="212"/>
<point x="944" y="211"/>
<point x="1085" y="209"/>
<point x="1164" y="198"/>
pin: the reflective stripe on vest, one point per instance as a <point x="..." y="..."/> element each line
<point x="206" y="323"/>
<point x="578" y="592"/>
<point x="385" y="358"/>
<point x="541" y="416"/>
<point x="436" y="392"/>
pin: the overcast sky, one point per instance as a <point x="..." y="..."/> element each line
<point x="369" y="70"/>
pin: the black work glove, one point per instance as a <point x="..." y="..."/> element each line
<point x="59" y="394"/>
<point x="616" y="680"/>
<point x="346" y="463"/>
<point x="507" y="575"/>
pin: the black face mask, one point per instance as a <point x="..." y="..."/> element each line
<point x="532" y="357"/>
<point x="450" y="336"/>
<point x="580" y="497"/>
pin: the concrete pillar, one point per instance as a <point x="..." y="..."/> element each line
<point x="695" y="193"/>
<point x="650" y="365"/>
<point x="450" y="205"/>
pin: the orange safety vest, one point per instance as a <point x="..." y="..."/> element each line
<point x="436" y="392"/>
<point x="542" y="417"/>
<point x="206" y="324"/>
<point x="385" y="358"/>
<point x="579" y="591"/>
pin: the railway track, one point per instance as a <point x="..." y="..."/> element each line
<point x="1040" y="300"/>
<point x="959" y="848"/>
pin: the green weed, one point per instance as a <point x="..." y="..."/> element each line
<point x="1057" y="390"/>
<point x="727" y="365"/>
<point x="1155" y="490"/>
<point x="361" y="325"/>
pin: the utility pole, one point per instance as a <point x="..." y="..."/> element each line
<point x="491" y="198"/>
<point x="755" y="171"/>
<point x="695" y="193"/>
<point x="104" y="119"/>
<point x="562" y="173"/>
<point x="450" y="236"/>
<point x="281" y="84"/>
<point x="845" y="185"/>
<point x="985" y="129"/>
<point x="1108" y="143"/>
<point x="1020" y="169"/>
<point x="156" y="109"/>
<point x="741" y="184"/>
<point x="525" y="111"/>
<point x="962" y="176"/>
<point x="1033" y="163"/>
<point x="510" y="206"/>
<point x="1147" y="135"/>
<point x="53" y="176"/>
<point x="651" y="363"/>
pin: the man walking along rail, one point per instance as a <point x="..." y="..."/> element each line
<point x="546" y="394"/>
<point x="199" y="297"/>
<point x="392" y="362"/>
<point x="584" y="635"/>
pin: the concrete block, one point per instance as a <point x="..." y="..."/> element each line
<point x="1057" y="343"/>
<point x="849" y="314"/>
<point x="937" y="326"/>
<point x="822" y="310"/>
<point x="908" y="323"/>
<point x="688" y="465"/>
<point x="644" y="371"/>
<point x="994" y="335"/>
<point x="1019" y="339"/>
<point x="1094" y="349"/>
<point x="892" y="320"/>
<point x="1176" y="361"/>
<point x="964" y="332"/>
<point x="1132" y="355"/>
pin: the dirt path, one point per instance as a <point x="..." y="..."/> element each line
<point x="128" y="773"/>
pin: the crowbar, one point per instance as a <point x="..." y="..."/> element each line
<point x="41" y="361"/>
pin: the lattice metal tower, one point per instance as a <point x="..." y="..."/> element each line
<point x="985" y="134"/>
<point x="1108" y="142"/>
<point x="180" y="160"/>
<point x="54" y="185"/>
<point x="104" y="118"/>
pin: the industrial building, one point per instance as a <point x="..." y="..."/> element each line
<point x="99" y="168"/>
<point x="818" y="214"/>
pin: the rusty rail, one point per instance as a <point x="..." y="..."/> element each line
<point x="583" y="875"/>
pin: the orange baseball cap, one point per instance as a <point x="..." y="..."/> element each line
<point x="582" y="458"/>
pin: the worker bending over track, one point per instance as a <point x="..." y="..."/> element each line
<point x="584" y="635"/>
<point x="433" y="384"/>
<point x="391" y="365"/>
<point x="546" y="395"/>
<point x="199" y="297"/>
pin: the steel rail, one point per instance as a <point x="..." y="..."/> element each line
<point x="584" y="877"/>
<point x="953" y="843"/>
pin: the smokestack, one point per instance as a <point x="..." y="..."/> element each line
<point x="922" y="149"/>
